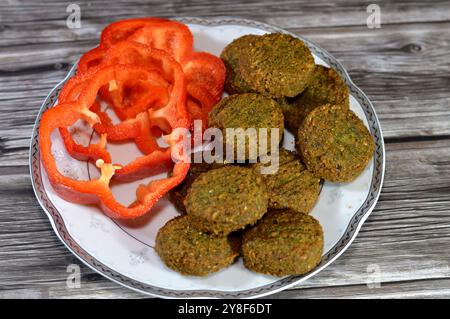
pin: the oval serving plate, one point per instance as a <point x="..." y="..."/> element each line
<point x="123" y="252"/>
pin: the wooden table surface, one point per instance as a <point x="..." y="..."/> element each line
<point x="404" y="67"/>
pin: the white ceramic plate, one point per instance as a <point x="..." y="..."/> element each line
<point x="124" y="252"/>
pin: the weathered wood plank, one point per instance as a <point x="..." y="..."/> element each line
<point x="99" y="289"/>
<point x="402" y="46"/>
<point x="285" y="13"/>
<point x="405" y="237"/>
<point x="412" y="289"/>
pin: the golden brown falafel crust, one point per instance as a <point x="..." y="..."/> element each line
<point x="334" y="143"/>
<point x="178" y="193"/>
<point x="277" y="65"/>
<point x="324" y="87"/>
<point x="226" y="199"/>
<point x="292" y="186"/>
<point x="234" y="83"/>
<point x="283" y="243"/>
<point x="190" y="251"/>
<point x="249" y="110"/>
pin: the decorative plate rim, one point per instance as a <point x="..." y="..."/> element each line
<point x="283" y="283"/>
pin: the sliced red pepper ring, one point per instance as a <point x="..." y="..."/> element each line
<point x="198" y="104"/>
<point x="134" y="96"/>
<point x="69" y="93"/>
<point x="84" y="153"/>
<point x="137" y="129"/>
<point x="206" y="71"/>
<point x="121" y="30"/>
<point x="152" y="93"/>
<point x="154" y="96"/>
<point x="90" y="59"/>
<point x="144" y="56"/>
<point x="206" y="100"/>
<point x="97" y="191"/>
<point x="172" y="37"/>
<point x="172" y="115"/>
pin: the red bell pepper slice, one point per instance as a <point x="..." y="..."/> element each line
<point x="207" y="72"/>
<point x="90" y="59"/>
<point x="205" y="75"/>
<point x="121" y="30"/>
<point x="139" y="129"/>
<point x="147" y="71"/>
<point x="199" y="104"/>
<point x="172" y="115"/>
<point x="152" y="93"/>
<point x="166" y="116"/>
<point x="69" y="93"/>
<point x="83" y="153"/>
<point x="112" y="34"/>
<point x="97" y="191"/>
<point x="173" y="37"/>
<point x="133" y="128"/>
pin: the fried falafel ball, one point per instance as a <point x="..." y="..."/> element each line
<point x="325" y="87"/>
<point x="334" y="143"/>
<point x="190" y="251"/>
<point x="234" y="83"/>
<point x="178" y="193"/>
<point x="282" y="243"/>
<point x="276" y="65"/>
<point x="249" y="112"/>
<point x="291" y="185"/>
<point x="226" y="199"/>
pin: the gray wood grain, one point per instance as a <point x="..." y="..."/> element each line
<point x="428" y="289"/>
<point x="406" y="236"/>
<point x="287" y="14"/>
<point x="403" y="67"/>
